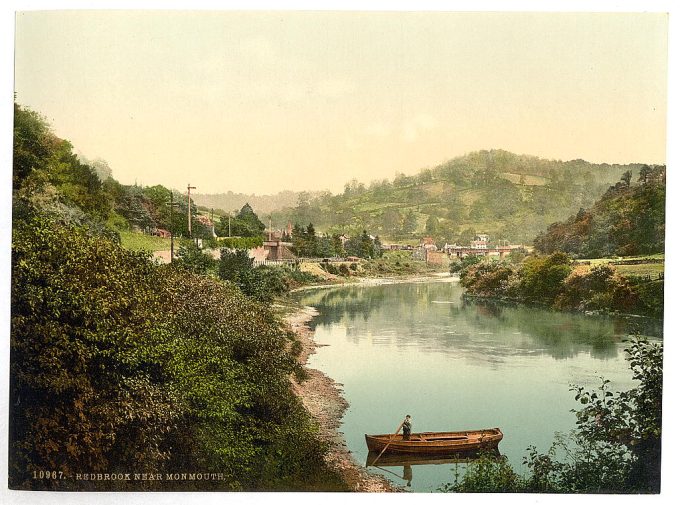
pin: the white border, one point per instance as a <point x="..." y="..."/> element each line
<point x="670" y="442"/>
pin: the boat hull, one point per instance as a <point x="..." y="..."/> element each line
<point x="450" y="442"/>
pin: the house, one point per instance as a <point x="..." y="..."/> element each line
<point x="480" y="242"/>
<point x="277" y="250"/>
<point x="204" y="220"/>
<point x="160" y="232"/>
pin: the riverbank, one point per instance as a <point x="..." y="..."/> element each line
<point x="556" y="283"/>
<point x="381" y="281"/>
<point x="322" y="397"/>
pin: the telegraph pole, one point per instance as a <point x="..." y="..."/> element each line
<point x="172" y="235"/>
<point x="189" y="188"/>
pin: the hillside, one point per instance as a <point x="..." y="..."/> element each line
<point x="627" y="220"/>
<point x="261" y="204"/>
<point x="511" y="197"/>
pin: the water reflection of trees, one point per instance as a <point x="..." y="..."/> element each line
<point x="433" y="316"/>
<point x="564" y="334"/>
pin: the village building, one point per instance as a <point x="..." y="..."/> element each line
<point x="479" y="246"/>
<point x="277" y="250"/>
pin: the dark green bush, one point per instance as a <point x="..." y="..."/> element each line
<point x="118" y="364"/>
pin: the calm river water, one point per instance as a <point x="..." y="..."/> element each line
<point x="419" y="349"/>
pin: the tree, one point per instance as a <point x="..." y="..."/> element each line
<point x="410" y="223"/>
<point x="246" y="223"/>
<point x="626" y="177"/>
<point x="192" y="258"/>
<point x="542" y="278"/>
<point x="34" y="144"/>
<point x="311" y="241"/>
<point x="645" y="173"/>
<point x="234" y="265"/>
<point x="432" y="225"/>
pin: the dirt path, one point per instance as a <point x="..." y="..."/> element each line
<point x="323" y="399"/>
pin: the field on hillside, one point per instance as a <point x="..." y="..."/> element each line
<point x="141" y="242"/>
<point x="650" y="265"/>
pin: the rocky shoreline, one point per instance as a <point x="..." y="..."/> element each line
<point x="322" y="397"/>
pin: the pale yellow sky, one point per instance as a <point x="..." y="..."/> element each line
<point x="262" y="102"/>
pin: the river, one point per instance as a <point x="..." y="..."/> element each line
<point x="420" y="349"/>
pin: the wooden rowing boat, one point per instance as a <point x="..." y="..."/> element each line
<point x="443" y="442"/>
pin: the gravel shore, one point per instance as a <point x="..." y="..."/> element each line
<point x="322" y="397"/>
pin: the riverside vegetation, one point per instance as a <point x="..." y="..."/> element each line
<point x="121" y="365"/>
<point x="555" y="281"/>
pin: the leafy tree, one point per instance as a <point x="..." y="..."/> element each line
<point x="487" y="279"/>
<point x="234" y="265"/>
<point x="192" y="258"/>
<point x="541" y="277"/>
<point x="626" y="178"/>
<point x="645" y="173"/>
<point x="246" y="223"/>
<point x="467" y="261"/>
<point x="626" y="220"/>
<point x="432" y="225"/>
<point x="34" y="144"/>
<point x="363" y="246"/>
<point x="409" y="223"/>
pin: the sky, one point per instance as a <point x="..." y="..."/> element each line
<point x="259" y="102"/>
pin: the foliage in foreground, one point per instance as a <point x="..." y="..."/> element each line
<point x="615" y="447"/>
<point x="119" y="365"/>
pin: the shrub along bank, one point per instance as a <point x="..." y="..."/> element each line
<point x="121" y="366"/>
<point x="554" y="281"/>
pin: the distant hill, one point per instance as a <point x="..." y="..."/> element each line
<point x="512" y="197"/>
<point x="261" y="204"/>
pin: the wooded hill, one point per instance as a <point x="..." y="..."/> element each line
<point x="511" y="197"/>
<point x="627" y="220"/>
<point x="261" y="204"/>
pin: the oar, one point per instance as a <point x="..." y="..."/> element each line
<point x="389" y="471"/>
<point x="388" y="443"/>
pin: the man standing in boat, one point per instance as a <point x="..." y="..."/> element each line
<point x="406" y="428"/>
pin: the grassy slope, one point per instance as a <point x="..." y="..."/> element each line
<point x="140" y="242"/>
<point x="640" y="270"/>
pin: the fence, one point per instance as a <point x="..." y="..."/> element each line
<point x="258" y="263"/>
<point x="297" y="261"/>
